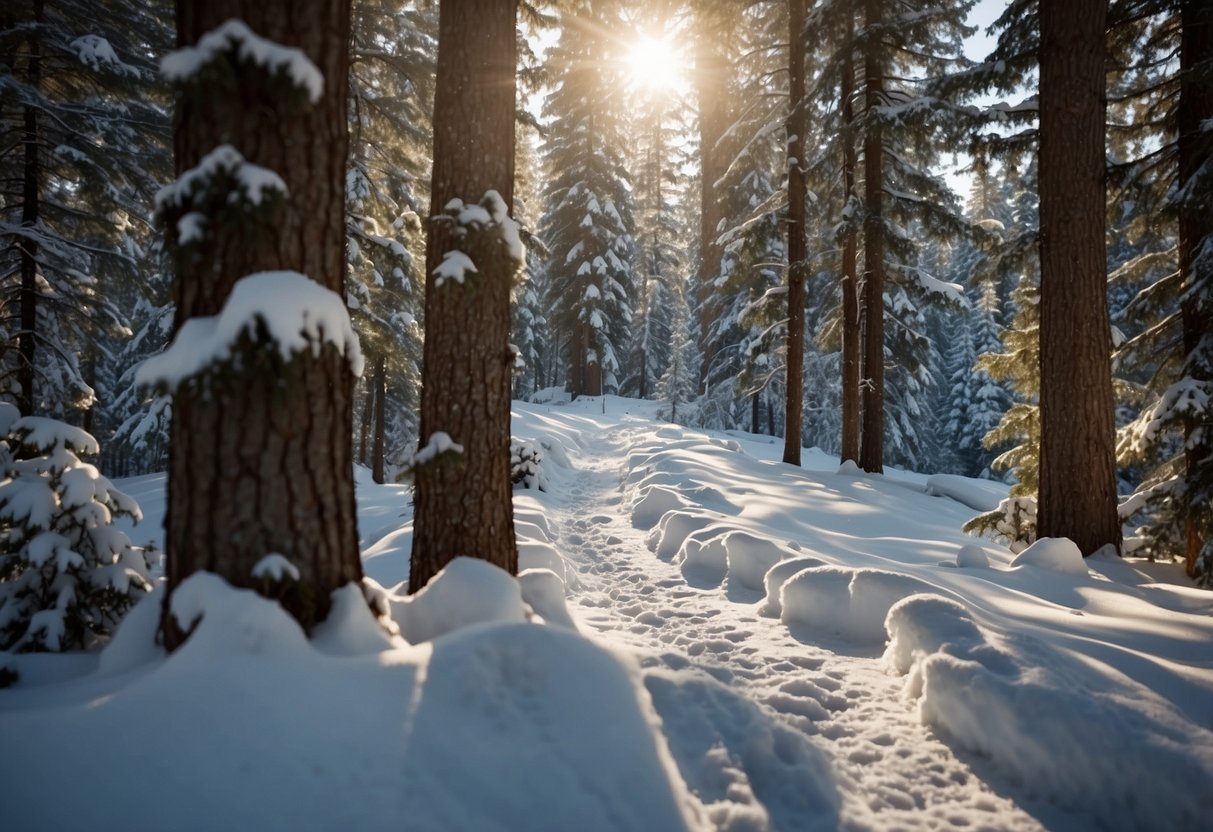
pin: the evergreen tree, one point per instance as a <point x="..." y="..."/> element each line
<point x="263" y="359"/>
<point x="473" y="253"/>
<point x="587" y="224"/>
<point x="67" y="576"/>
<point x="676" y="387"/>
<point x="85" y="129"/>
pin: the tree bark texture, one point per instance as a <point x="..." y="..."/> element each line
<point x="260" y="458"/>
<point x="364" y="428"/>
<point x="711" y="82"/>
<point x="850" y="288"/>
<point x="1077" y="461"/>
<point x="463" y="504"/>
<point x="797" y="242"/>
<point x="1195" y="224"/>
<point x="871" y="452"/>
<point x="380" y="383"/>
<point x="31" y="195"/>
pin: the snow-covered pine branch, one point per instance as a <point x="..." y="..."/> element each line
<point x="286" y="311"/>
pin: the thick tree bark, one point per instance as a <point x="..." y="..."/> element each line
<point x="1077" y="458"/>
<point x="797" y="242"/>
<point x="463" y="505"/>
<point x="850" y="289"/>
<point x="259" y="462"/>
<point x="755" y="411"/>
<point x="31" y="195"/>
<point x="871" y="452"/>
<point x="1195" y="223"/>
<point x="380" y="384"/>
<point x="711" y="81"/>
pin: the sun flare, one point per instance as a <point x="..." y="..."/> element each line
<point x="654" y="64"/>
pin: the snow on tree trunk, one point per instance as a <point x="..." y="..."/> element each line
<point x="463" y="501"/>
<point x="1077" y="462"/>
<point x="260" y="457"/>
<point x="797" y="242"/>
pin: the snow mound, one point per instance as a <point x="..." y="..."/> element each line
<point x="653" y="502"/>
<point x="778" y="575"/>
<point x="226" y="620"/>
<point x="134" y="642"/>
<point x="750" y="557"/>
<point x="924" y="624"/>
<point x="851" y="603"/>
<point x="496" y="727"/>
<point x="350" y="628"/>
<point x="543" y="590"/>
<point x="672" y="530"/>
<point x="466" y="591"/>
<point x="1027" y="709"/>
<point x="972" y="557"/>
<point x="535" y="554"/>
<point x="1055" y="554"/>
<point x="979" y="495"/>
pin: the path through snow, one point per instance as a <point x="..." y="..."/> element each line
<point x="887" y="768"/>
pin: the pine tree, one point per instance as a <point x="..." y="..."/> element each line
<point x="473" y="252"/>
<point x="260" y="367"/>
<point x="676" y="387"/>
<point x="85" y="133"/>
<point x="1077" y="464"/>
<point x="67" y="576"/>
<point x="587" y="224"/>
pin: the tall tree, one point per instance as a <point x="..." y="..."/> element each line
<point x="797" y="242"/>
<point x="260" y="455"/>
<point x="1077" y="458"/>
<point x="587" y="224"/>
<point x="871" y="452"/>
<point x="714" y="23"/>
<point x="463" y="499"/>
<point x="85" y="135"/>
<point x="849" y="285"/>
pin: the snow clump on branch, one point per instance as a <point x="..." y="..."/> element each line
<point x="234" y="36"/>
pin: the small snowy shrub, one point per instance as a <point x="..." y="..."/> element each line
<point x="526" y="465"/>
<point x="1012" y="523"/>
<point x="67" y="576"/>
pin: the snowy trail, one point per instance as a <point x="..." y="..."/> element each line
<point x="891" y="771"/>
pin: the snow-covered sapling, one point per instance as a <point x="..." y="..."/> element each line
<point x="526" y="465"/>
<point x="67" y="576"/>
<point x="1012" y="523"/>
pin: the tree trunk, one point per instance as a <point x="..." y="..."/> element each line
<point x="380" y="385"/>
<point x="797" y="242"/>
<point x="31" y="195"/>
<point x="755" y="411"/>
<point x="850" y="289"/>
<point x="711" y="79"/>
<point x="259" y="461"/>
<point x="871" y="453"/>
<point x="364" y="429"/>
<point x="463" y="505"/>
<point x="1195" y="225"/>
<point x="1077" y="460"/>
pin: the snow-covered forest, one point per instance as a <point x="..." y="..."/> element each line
<point x="606" y="414"/>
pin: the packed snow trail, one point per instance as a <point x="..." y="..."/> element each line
<point x="888" y="769"/>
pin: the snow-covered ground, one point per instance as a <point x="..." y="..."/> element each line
<point x="741" y="645"/>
